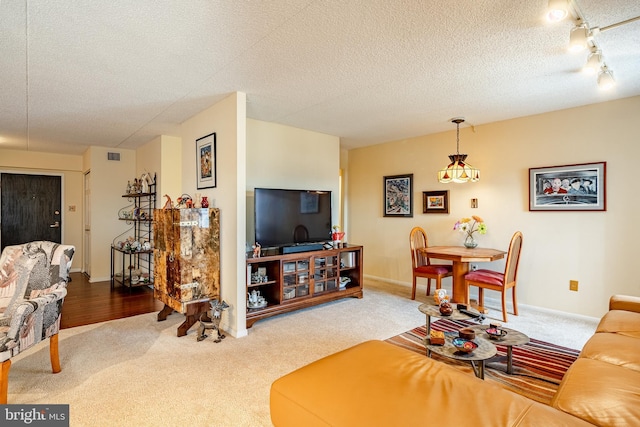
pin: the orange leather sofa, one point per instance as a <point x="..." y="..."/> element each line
<point x="378" y="384"/>
<point x="603" y="385"/>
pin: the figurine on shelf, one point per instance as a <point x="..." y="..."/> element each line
<point x="168" y="204"/>
<point x="256" y="250"/>
<point x="205" y="202"/>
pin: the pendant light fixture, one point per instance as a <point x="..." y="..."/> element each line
<point x="458" y="170"/>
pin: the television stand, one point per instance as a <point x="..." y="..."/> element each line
<point x="293" y="281"/>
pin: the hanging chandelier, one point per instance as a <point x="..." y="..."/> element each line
<point x="458" y="170"/>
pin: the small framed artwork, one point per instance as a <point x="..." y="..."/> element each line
<point x="580" y="187"/>
<point x="206" y="161"/>
<point x="435" y="202"/>
<point x="398" y="195"/>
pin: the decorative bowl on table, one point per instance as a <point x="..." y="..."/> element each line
<point x="467" y="333"/>
<point x="446" y="309"/>
<point x="496" y="334"/>
<point x="464" y="345"/>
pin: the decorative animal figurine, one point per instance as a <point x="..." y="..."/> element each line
<point x="217" y="307"/>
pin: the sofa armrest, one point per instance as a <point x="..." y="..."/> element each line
<point x="624" y="302"/>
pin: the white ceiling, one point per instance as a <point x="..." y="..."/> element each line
<point x="76" y="73"/>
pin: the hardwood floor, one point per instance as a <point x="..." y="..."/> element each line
<point x="88" y="303"/>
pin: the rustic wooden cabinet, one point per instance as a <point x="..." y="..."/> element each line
<point x="294" y="281"/>
<point x="186" y="261"/>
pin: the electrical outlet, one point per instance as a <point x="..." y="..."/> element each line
<point x="573" y="285"/>
<point x="474" y="267"/>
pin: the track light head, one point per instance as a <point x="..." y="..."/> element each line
<point x="605" y="78"/>
<point x="579" y="38"/>
<point x="594" y="61"/>
<point x="558" y="10"/>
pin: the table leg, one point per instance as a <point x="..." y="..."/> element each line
<point x="459" y="288"/>
<point x="509" y="360"/>
<point x="478" y="370"/>
<point x="428" y="336"/>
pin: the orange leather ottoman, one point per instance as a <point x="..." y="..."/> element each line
<point x="379" y="384"/>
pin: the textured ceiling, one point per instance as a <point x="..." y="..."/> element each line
<point x="117" y="74"/>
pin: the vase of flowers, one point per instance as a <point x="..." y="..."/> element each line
<point x="468" y="226"/>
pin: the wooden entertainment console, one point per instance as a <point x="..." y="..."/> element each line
<point x="298" y="280"/>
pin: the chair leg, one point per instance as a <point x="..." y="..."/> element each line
<point x="504" y="305"/>
<point x="515" y="304"/>
<point x="4" y="381"/>
<point x="413" y="290"/>
<point x="53" y="353"/>
<point x="438" y="283"/>
<point x="428" y="287"/>
<point x="480" y="296"/>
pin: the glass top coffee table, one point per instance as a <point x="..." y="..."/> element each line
<point x="512" y="338"/>
<point x="486" y="350"/>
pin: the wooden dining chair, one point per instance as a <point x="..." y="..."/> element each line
<point x="421" y="265"/>
<point x="497" y="281"/>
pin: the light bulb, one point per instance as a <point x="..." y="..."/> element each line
<point x="558" y="10"/>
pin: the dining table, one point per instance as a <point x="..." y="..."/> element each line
<point x="461" y="257"/>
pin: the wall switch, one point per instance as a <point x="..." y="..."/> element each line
<point x="474" y="203"/>
<point x="573" y="285"/>
<point x="72" y="208"/>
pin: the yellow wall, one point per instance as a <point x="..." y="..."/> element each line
<point x="70" y="168"/>
<point x="227" y="119"/>
<point x="108" y="183"/>
<point x="281" y="156"/>
<point x="595" y="248"/>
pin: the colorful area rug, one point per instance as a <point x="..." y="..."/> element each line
<point x="538" y="367"/>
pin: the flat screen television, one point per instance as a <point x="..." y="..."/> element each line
<point x="290" y="217"/>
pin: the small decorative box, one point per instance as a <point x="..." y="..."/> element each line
<point x="436" y="338"/>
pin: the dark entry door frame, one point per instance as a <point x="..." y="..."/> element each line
<point x="49" y="224"/>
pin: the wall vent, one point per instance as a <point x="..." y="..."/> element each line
<point x="113" y="156"/>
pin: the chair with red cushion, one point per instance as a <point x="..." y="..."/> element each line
<point x="421" y="265"/>
<point x="497" y="281"/>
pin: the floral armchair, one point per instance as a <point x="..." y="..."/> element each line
<point x="33" y="284"/>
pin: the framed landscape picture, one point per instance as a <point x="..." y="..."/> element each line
<point x="398" y="195"/>
<point x="580" y="187"/>
<point x="435" y="202"/>
<point x="206" y="161"/>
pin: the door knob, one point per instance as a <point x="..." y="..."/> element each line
<point x="55" y="224"/>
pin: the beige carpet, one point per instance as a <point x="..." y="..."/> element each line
<point x="136" y="372"/>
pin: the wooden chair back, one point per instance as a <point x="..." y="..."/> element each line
<point x="418" y="240"/>
<point x="513" y="258"/>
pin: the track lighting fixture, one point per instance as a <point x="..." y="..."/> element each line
<point x="582" y="37"/>
<point x="605" y="78"/>
<point x="458" y="170"/>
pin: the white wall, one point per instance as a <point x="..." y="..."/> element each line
<point x="281" y="156"/>
<point x="108" y="183"/>
<point x="595" y="248"/>
<point x="228" y="120"/>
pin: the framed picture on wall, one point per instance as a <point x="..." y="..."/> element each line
<point x="206" y="161"/>
<point x="578" y="187"/>
<point x="435" y="202"/>
<point x="398" y="195"/>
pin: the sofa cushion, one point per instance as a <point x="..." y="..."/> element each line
<point x="622" y="322"/>
<point x="617" y="349"/>
<point x="600" y="393"/>
<point x="379" y="384"/>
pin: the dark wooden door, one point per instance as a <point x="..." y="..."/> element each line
<point x="30" y="208"/>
